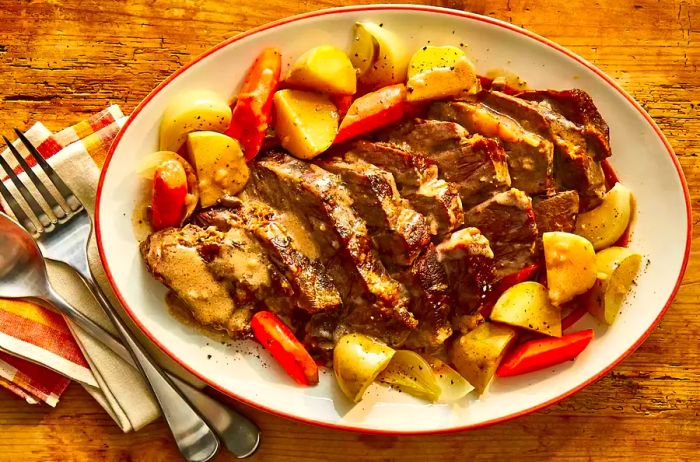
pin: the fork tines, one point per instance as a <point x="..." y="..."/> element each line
<point x="60" y="211"/>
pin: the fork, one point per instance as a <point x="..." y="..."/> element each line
<point x="64" y="238"/>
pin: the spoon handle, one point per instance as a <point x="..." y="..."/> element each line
<point x="238" y="433"/>
<point x="195" y="439"/>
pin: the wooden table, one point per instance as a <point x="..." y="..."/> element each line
<point x="61" y="60"/>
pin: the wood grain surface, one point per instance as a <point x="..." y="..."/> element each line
<point x="61" y="60"/>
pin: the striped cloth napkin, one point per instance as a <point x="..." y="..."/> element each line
<point x="41" y="352"/>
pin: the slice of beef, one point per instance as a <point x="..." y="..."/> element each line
<point x="240" y="260"/>
<point x="556" y="213"/>
<point x="431" y="300"/>
<point x="568" y="119"/>
<point x="409" y="170"/>
<point x="585" y="175"/>
<point x="190" y="262"/>
<point x="477" y="165"/>
<point x="425" y="137"/>
<point x="577" y="106"/>
<point x="313" y="288"/>
<point x="417" y="181"/>
<point x="323" y="206"/>
<point x="439" y="201"/>
<point x="518" y="110"/>
<point x="447" y="285"/>
<point x="399" y="232"/>
<point x="469" y="261"/>
<point x="530" y="156"/>
<point x="508" y="222"/>
<point x="581" y="138"/>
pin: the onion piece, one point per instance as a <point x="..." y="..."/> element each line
<point x="452" y="385"/>
<point x="412" y="374"/>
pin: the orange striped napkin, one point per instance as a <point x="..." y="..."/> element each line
<point x="36" y="334"/>
<point x="43" y="336"/>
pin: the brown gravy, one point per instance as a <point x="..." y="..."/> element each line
<point x="180" y="312"/>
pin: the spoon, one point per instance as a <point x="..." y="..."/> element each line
<point x="23" y="275"/>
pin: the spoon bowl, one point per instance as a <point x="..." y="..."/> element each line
<point x="22" y="267"/>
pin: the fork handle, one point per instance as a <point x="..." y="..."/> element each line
<point x="195" y="439"/>
<point x="238" y="433"/>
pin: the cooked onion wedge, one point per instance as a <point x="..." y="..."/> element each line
<point x="357" y="360"/>
<point x="452" y="385"/>
<point x="412" y="374"/>
<point x="605" y="224"/>
<point x="378" y="55"/>
<point x="616" y="269"/>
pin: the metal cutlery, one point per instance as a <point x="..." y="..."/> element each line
<point x="189" y="413"/>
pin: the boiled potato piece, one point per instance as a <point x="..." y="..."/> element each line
<point x="326" y="69"/>
<point x="616" y="269"/>
<point x="452" y="385"/>
<point x="357" y="361"/>
<point x="149" y="164"/>
<point x="527" y="305"/>
<point x="477" y="354"/>
<point x="190" y="111"/>
<point x="306" y="122"/>
<point x="220" y="164"/>
<point x="570" y="261"/>
<point x="412" y="374"/>
<point x="440" y="72"/>
<point x="605" y="224"/>
<point x="378" y="55"/>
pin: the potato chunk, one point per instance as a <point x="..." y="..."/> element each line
<point x="440" y="72"/>
<point x="220" y="164"/>
<point x="605" y="224"/>
<point x="570" y="261"/>
<point x="191" y="111"/>
<point x="325" y="69"/>
<point x="306" y="122"/>
<point x="357" y="360"/>
<point x="616" y="269"/>
<point x="477" y="354"/>
<point x="378" y="55"/>
<point x="527" y="305"/>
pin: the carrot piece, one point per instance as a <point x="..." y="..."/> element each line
<point x="168" y="195"/>
<point x="538" y="354"/>
<point x="373" y="110"/>
<point x="342" y="103"/>
<point x="279" y="340"/>
<point x="252" y="112"/>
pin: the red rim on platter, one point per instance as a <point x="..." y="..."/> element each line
<point x="379" y="8"/>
